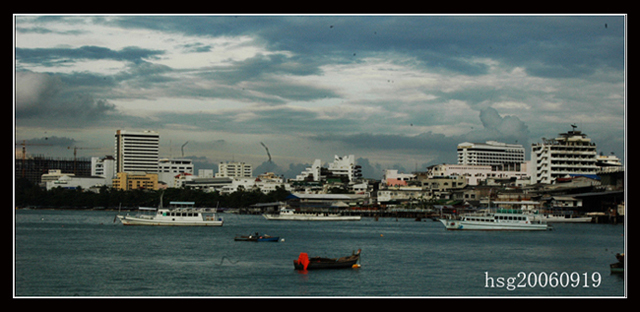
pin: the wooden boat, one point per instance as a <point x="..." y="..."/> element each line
<point x="618" y="267"/>
<point x="256" y="238"/>
<point x="315" y="263"/>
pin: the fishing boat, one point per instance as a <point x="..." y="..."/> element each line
<point x="257" y="237"/>
<point x="178" y="214"/>
<point x="305" y="263"/>
<point x="291" y="215"/>
<point x="618" y="267"/>
<point x="501" y="220"/>
<point x="316" y="263"/>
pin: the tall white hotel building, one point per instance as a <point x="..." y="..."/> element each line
<point x="137" y="151"/>
<point x="571" y="153"/>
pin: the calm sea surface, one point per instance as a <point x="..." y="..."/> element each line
<point x="85" y="253"/>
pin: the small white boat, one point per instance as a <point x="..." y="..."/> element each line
<point x="178" y="214"/>
<point x="291" y="215"/>
<point x="502" y="220"/>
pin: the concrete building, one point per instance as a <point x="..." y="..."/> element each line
<point x="569" y="154"/>
<point x="136" y="151"/>
<point x="56" y="178"/>
<point x="311" y="173"/>
<point x="234" y="170"/>
<point x="135" y="180"/>
<point x="500" y="156"/>
<point x="345" y="166"/>
<point x="476" y="174"/>
<point x="391" y="177"/>
<point x="172" y="171"/>
<point x="103" y="167"/>
<point x="73" y="182"/>
<point x="342" y="167"/>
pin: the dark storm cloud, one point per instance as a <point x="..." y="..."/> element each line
<point x="59" y="56"/>
<point x="46" y="99"/>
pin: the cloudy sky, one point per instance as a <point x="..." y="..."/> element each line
<point x="396" y="91"/>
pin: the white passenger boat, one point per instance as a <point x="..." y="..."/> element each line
<point x="178" y="214"/>
<point x="502" y="220"/>
<point x="291" y="215"/>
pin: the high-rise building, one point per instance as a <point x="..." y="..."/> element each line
<point x="571" y="153"/>
<point x="137" y="151"/>
<point x="500" y="156"/>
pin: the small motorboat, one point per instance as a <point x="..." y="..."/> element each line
<point x="305" y="263"/>
<point x="618" y="267"/>
<point x="257" y="237"/>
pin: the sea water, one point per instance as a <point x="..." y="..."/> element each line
<point x="90" y="254"/>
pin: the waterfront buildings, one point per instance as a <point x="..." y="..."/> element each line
<point x="136" y="151"/>
<point x="571" y="153"/>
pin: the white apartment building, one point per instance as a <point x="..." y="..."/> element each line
<point x="311" y="173"/>
<point x="500" y="156"/>
<point x="345" y="166"/>
<point x="569" y="154"/>
<point x="103" y="167"/>
<point x="234" y="170"/>
<point x="178" y="165"/>
<point x="173" y="171"/>
<point x="341" y="166"/>
<point x="136" y="151"/>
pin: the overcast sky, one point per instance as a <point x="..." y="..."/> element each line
<point x="395" y="91"/>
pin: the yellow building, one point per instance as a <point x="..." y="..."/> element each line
<point x="135" y="180"/>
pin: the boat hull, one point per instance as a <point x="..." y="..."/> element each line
<point x="324" y="265"/>
<point x="455" y="225"/>
<point x="256" y="239"/>
<point x="131" y="220"/>
<point x="319" y="263"/>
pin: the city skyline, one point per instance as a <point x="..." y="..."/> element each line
<point x="280" y="91"/>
